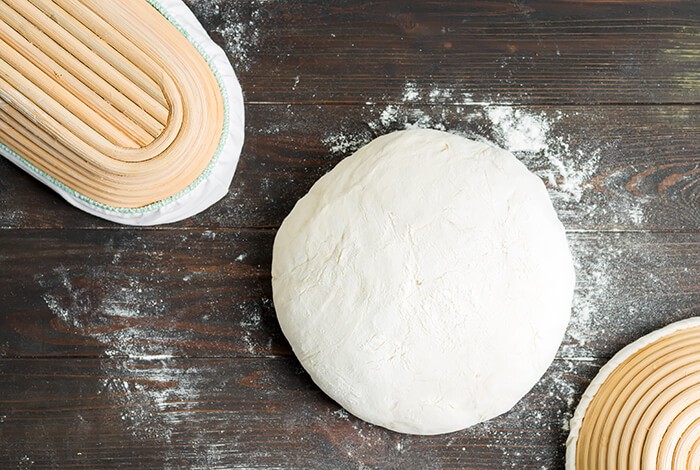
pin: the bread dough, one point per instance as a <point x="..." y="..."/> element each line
<point x="642" y="410"/>
<point x="424" y="283"/>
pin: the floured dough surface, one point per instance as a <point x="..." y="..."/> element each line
<point x="424" y="283"/>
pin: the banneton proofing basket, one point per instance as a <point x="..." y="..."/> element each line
<point x="642" y="410"/>
<point x="126" y="108"/>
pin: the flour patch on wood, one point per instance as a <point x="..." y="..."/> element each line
<point x="25" y="462"/>
<point x="110" y="310"/>
<point x="610" y="296"/>
<point x="13" y="218"/>
<point x="240" y="27"/>
<point x="596" y="287"/>
<point x="254" y="336"/>
<point x="519" y="130"/>
<point x="153" y="396"/>
<point x="531" y="136"/>
<point x="121" y="312"/>
<point x="410" y="92"/>
<point x="342" y="143"/>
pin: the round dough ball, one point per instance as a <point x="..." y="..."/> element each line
<point x="424" y="283"/>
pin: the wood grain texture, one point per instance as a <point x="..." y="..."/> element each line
<point x="119" y="293"/>
<point x="159" y="348"/>
<point x="607" y="167"/>
<point x="532" y="52"/>
<point x="257" y="413"/>
<point x="133" y="293"/>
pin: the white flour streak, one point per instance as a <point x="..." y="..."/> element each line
<point x="518" y="130"/>
<point x="410" y="92"/>
<point x="531" y="136"/>
<point x="153" y="398"/>
<point x="142" y="376"/>
<point x="241" y="27"/>
<point x="154" y="357"/>
<point x="342" y="144"/>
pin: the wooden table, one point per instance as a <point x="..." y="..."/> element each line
<point x="159" y="347"/>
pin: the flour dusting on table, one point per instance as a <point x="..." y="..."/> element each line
<point x="141" y="377"/>
<point x="120" y="309"/>
<point x="240" y="26"/>
<point x="530" y="135"/>
<point x="109" y="318"/>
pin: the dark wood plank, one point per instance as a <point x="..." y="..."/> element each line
<point x="345" y="51"/>
<point x="207" y="293"/>
<point x="608" y="168"/>
<point x="136" y="293"/>
<point x="247" y="413"/>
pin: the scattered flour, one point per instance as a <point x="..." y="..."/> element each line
<point x="141" y="374"/>
<point x="153" y="396"/>
<point x="596" y="285"/>
<point x="11" y="218"/>
<point x="240" y="25"/>
<point x="110" y="318"/>
<point x="153" y="391"/>
<point x="636" y="213"/>
<point x="366" y="445"/>
<point x="340" y="413"/>
<point x="529" y="135"/>
<point x="410" y="92"/>
<point x="518" y="130"/>
<point x="342" y="143"/>
<point x="25" y="462"/>
<point x="253" y="335"/>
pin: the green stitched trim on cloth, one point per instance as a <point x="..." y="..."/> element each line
<point x="207" y="171"/>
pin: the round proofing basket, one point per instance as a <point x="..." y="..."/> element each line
<point x="642" y="410"/>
